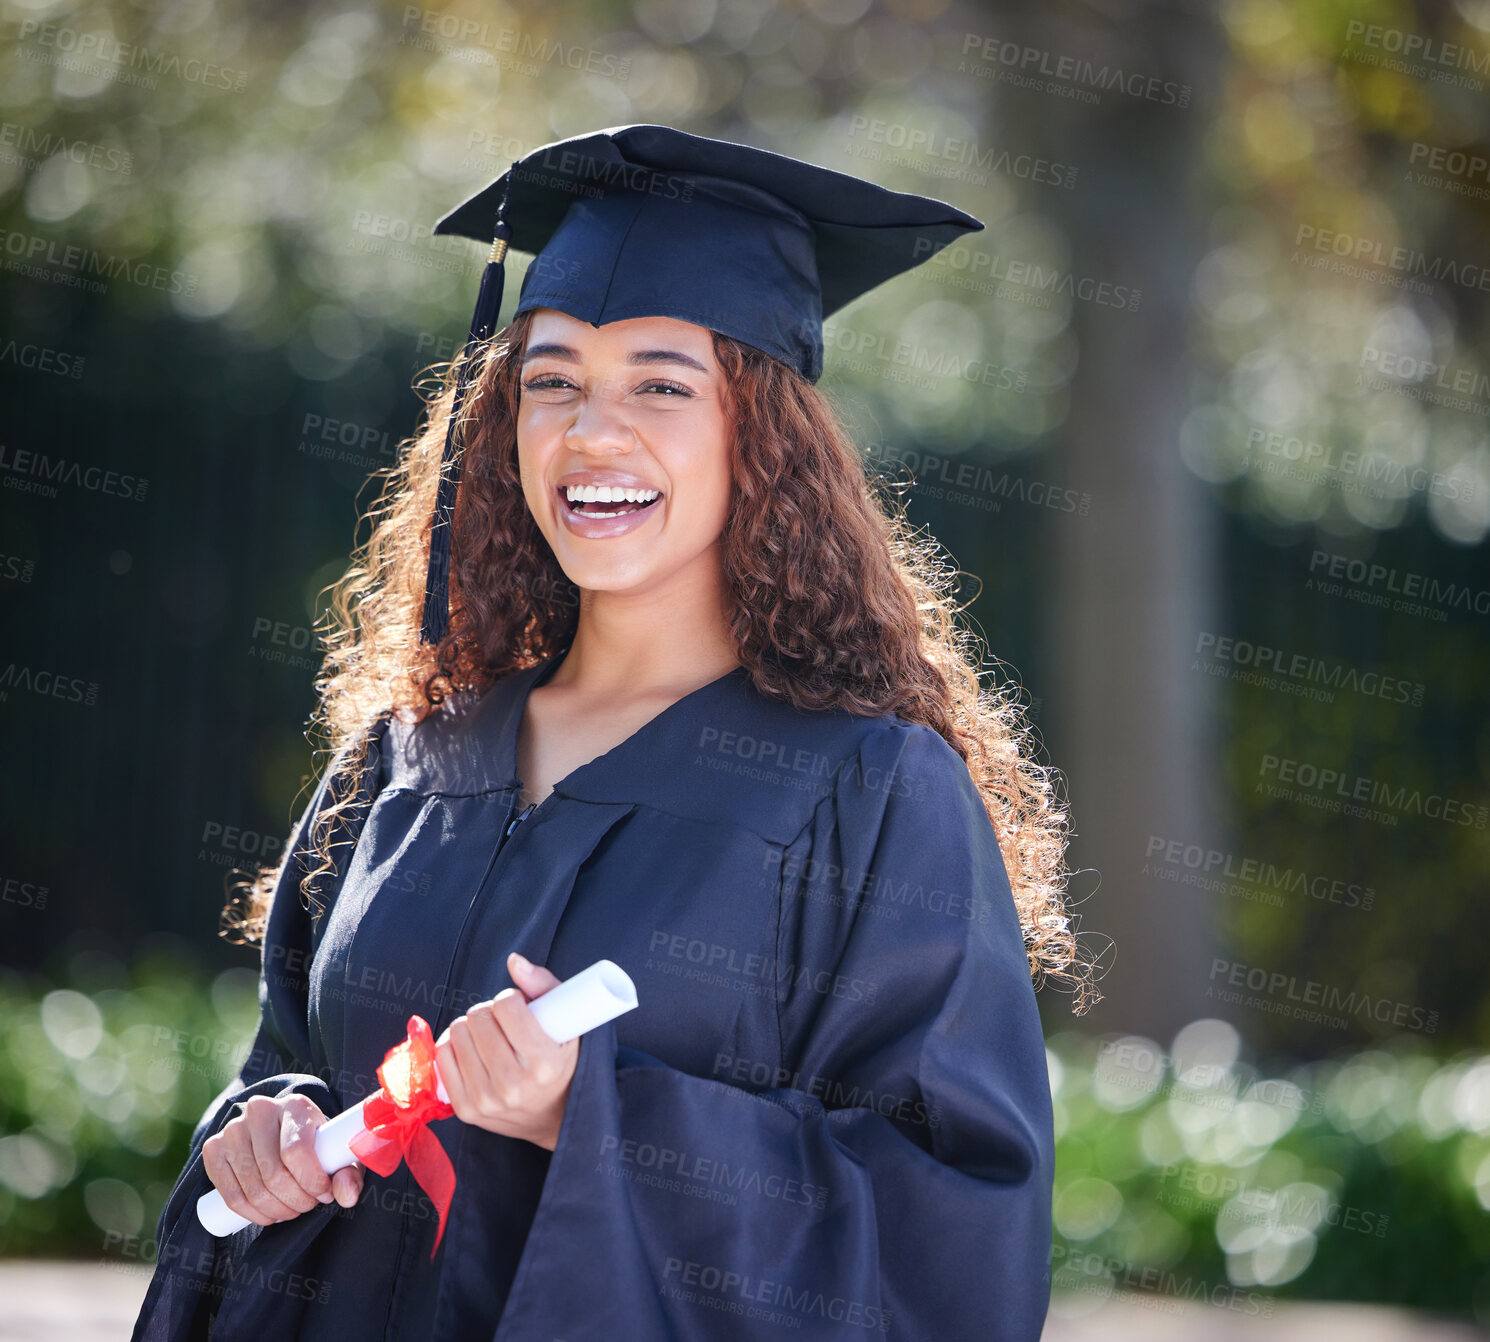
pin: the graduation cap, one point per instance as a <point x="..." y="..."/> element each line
<point x="648" y="221"/>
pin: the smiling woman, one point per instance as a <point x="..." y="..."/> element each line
<point x="702" y="708"/>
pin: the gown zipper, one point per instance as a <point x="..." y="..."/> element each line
<point x="491" y="866"/>
<point x="519" y="817"/>
<point x="454" y="956"/>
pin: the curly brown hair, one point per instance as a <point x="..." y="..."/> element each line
<point x="837" y="603"/>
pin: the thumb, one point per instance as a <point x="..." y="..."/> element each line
<point x="533" y="979"/>
<point x="346" y="1185"/>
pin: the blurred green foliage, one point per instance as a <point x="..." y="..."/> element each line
<point x="102" y="1080"/>
<point x="1196" y="1174"/>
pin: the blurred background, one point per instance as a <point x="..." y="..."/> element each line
<point x="1203" y="416"/>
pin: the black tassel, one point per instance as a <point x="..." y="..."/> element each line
<point x="483" y="325"/>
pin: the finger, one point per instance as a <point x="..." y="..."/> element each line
<point x="451" y="1076"/>
<point x="467" y="1052"/>
<point x="215" y="1162"/>
<point x="534" y="980"/>
<point x="490" y="1029"/>
<point x="505" y="1071"/>
<point x="297" y="1148"/>
<point x="245" y="1167"/>
<point x="264" y="1116"/>
<point x="346" y="1185"/>
<point x="525" y="1035"/>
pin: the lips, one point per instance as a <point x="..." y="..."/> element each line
<point x="601" y="519"/>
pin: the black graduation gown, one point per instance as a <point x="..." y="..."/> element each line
<point x="829" y="1117"/>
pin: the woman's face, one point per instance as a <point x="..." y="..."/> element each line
<point x="635" y="404"/>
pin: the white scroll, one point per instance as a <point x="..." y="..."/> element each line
<point x="569" y="1009"/>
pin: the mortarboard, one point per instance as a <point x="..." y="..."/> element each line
<point x="648" y="221"/>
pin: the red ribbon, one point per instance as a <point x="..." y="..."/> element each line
<point x="395" y="1116"/>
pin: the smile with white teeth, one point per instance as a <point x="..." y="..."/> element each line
<point x="580" y="496"/>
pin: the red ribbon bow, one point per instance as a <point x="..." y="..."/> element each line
<point x="395" y="1116"/>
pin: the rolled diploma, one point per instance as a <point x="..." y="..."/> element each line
<point x="569" y="1009"/>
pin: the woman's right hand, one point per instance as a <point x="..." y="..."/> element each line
<point x="264" y="1161"/>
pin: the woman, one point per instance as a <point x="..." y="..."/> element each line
<point x="749" y="761"/>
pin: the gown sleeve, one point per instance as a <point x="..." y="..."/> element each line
<point x="278" y="1064"/>
<point x="892" y="1175"/>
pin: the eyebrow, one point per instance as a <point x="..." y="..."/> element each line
<point x="641" y="356"/>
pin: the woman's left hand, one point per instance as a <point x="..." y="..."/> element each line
<point x="501" y="1071"/>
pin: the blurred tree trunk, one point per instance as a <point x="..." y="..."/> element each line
<point x="1136" y="580"/>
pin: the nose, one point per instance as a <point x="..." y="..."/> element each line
<point x="599" y="425"/>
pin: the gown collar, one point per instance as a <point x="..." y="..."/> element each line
<point x="722" y="753"/>
<point x="470" y="744"/>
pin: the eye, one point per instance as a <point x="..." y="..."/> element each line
<point x="668" y="389"/>
<point x="547" y="382"/>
